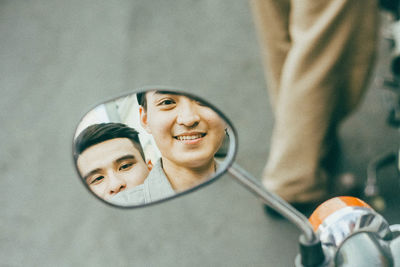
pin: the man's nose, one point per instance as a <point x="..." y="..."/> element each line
<point x="188" y="115"/>
<point x="116" y="185"/>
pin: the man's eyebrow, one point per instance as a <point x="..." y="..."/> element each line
<point x="166" y="93"/>
<point x="91" y="173"/>
<point x="125" y="158"/>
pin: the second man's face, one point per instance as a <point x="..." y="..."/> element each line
<point x="186" y="132"/>
<point x="112" y="166"/>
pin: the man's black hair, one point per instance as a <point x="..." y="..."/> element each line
<point x="97" y="133"/>
<point x="141" y="99"/>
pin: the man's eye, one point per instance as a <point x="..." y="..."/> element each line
<point x="125" y="167"/>
<point x="200" y="103"/>
<point x="166" y="102"/>
<point x="97" y="180"/>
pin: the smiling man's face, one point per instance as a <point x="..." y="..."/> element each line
<point x="186" y="132"/>
<point x="112" y="166"/>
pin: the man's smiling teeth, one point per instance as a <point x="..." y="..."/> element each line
<point x="189" y="137"/>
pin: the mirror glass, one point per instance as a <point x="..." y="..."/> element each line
<point x="150" y="146"/>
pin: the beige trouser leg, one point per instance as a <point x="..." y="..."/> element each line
<point x="318" y="56"/>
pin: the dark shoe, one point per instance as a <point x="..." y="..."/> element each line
<point x="305" y="208"/>
<point x="271" y="212"/>
<point x="339" y="183"/>
<point x="345" y="185"/>
<point x="330" y="162"/>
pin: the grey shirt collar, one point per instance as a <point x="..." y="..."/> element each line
<point x="155" y="187"/>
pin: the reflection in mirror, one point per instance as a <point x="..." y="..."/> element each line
<point x="150" y="146"/>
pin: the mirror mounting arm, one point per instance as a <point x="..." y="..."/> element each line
<point x="275" y="202"/>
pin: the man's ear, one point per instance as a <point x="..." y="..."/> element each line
<point x="149" y="164"/>
<point x="143" y="119"/>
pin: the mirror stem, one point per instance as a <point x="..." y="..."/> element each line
<point x="275" y="202"/>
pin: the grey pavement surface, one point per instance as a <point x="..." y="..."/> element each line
<point x="59" y="58"/>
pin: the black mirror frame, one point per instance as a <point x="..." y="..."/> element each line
<point x="223" y="168"/>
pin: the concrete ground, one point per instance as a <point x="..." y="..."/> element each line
<point x="59" y="58"/>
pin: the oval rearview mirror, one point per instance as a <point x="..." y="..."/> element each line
<point x="152" y="145"/>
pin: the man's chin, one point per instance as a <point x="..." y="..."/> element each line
<point x="197" y="164"/>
